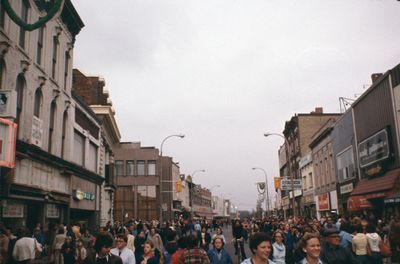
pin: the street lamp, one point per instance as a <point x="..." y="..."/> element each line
<point x="289" y="167"/>
<point x="191" y="191"/>
<point x="266" y="186"/>
<point x="161" y="171"/>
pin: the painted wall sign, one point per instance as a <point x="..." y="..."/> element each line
<point x="374" y="149"/>
<point x="323" y="202"/>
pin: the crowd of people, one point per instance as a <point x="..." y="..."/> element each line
<point x="331" y="240"/>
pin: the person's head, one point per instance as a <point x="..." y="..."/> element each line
<point x="23" y="232"/>
<point x="278" y="236"/>
<point x="218" y="242"/>
<point x="371" y="228"/>
<point x="218" y="231"/>
<point x="148" y="247"/>
<point x="237" y="222"/>
<point x="359" y="229"/>
<point x="121" y="241"/>
<point x="191" y="241"/>
<point x="68" y="239"/>
<point x="203" y="229"/>
<point x="332" y="236"/>
<point x="103" y="244"/>
<point x="182" y="242"/>
<point x="310" y="244"/>
<point x="153" y="231"/>
<point x="260" y="245"/>
<point x="79" y="243"/>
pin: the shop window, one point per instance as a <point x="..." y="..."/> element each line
<point x="119" y="167"/>
<point x="130" y="168"/>
<point x="140" y="167"/>
<point x="151" y="165"/>
<point x="345" y="164"/>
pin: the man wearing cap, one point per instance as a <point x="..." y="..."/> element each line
<point x="332" y="252"/>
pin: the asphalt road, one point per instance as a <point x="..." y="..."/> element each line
<point x="227" y="231"/>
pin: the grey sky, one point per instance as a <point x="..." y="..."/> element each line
<point x="224" y="72"/>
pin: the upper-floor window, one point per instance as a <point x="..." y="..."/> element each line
<point x="119" y="167"/>
<point x="53" y="108"/>
<point x="64" y="132"/>
<point x="2" y="72"/>
<point x="54" y="57"/>
<point x="79" y="147"/>
<point x="66" y="65"/>
<point x="39" y="47"/>
<point x="130" y="167"/>
<point x="151" y="165"/>
<point x="140" y="167"/>
<point x="310" y="181"/>
<point x="2" y="16"/>
<point x="24" y="17"/>
<point x="91" y="160"/>
<point x="345" y="165"/>
<point x="38" y="102"/>
<point x="20" y="89"/>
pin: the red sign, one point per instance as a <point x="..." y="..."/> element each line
<point x="358" y="203"/>
<point x="323" y="202"/>
<point x="8" y="137"/>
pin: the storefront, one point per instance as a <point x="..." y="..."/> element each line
<point x="84" y="206"/>
<point x="309" y="208"/>
<point x="326" y="204"/>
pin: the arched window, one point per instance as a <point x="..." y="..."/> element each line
<point x="39" y="48"/>
<point x="20" y="89"/>
<point x="64" y="133"/>
<point x="2" y="73"/>
<point x="38" y="102"/>
<point x="53" y="108"/>
<point x="24" y="17"/>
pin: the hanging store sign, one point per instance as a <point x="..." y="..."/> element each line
<point x="289" y="184"/>
<point x="80" y="195"/>
<point x="323" y="202"/>
<point x="12" y="210"/>
<point x="8" y="103"/>
<point x="8" y="137"/>
<point x="277" y="182"/>
<point x="347" y="188"/>
<point x="374" y="149"/>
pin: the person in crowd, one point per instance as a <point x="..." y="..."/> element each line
<point x="332" y="252"/>
<point x="261" y="247"/>
<point x="197" y="228"/>
<point x="131" y="239"/>
<point x="373" y="242"/>
<point x="149" y="256"/>
<point x="279" y="249"/>
<point x="218" y="255"/>
<point x="360" y="245"/>
<point x="146" y="231"/>
<point x="80" y="252"/>
<point x="123" y="251"/>
<point x="310" y="244"/>
<point x="219" y="233"/>
<point x="181" y="248"/>
<point x="57" y="244"/>
<point x="26" y="247"/>
<point x="4" y="240"/>
<point x="68" y="251"/>
<point x="88" y="240"/>
<point x="11" y="244"/>
<point x="155" y="238"/>
<point x="345" y="234"/>
<point x="193" y="254"/>
<point x="238" y="233"/>
<point x="204" y="239"/>
<point x="102" y="253"/>
<point x="139" y="245"/>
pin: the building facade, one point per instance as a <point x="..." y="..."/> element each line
<point x="308" y="186"/>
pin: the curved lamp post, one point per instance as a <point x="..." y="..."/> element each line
<point x="289" y="165"/>
<point x="191" y="191"/>
<point x="161" y="171"/>
<point x="266" y="186"/>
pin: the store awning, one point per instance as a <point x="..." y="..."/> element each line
<point x="358" y="203"/>
<point x="377" y="187"/>
<point x="205" y="214"/>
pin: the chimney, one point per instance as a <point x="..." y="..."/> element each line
<point x="318" y="110"/>
<point x="375" y="77"/>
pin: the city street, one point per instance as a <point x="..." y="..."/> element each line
<point x="230" y="247"/>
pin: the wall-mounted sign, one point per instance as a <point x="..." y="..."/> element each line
<point x="374" y="149"/>
<point x="37" y="131"/>
<point x="13" y="210"/>
<point x="323" y="202"/>
<point x="277" y="182"/>
<point x="8" y="137"/>
<point x="52" y="211"/>
<point x="286" y="184"/>
<point x="8" y="103"/>
<point x="346" y="188"/>
<point x="80" y="195"/>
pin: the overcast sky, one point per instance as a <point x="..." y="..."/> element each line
<point x="223" y="72"/>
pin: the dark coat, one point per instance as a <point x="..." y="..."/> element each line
<point x="225" y="257"/>
<point x="112" y="259"/>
